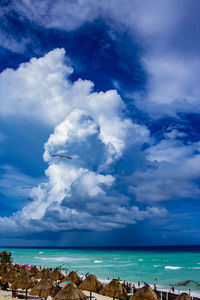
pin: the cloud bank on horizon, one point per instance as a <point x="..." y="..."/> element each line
<point x="124" y="169"/>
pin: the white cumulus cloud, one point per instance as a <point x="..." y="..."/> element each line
<point x="91" y="127"/>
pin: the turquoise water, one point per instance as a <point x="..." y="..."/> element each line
<point x="163" y="266"/>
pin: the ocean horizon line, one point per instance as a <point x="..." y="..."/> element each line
<point x="147" y="247"/>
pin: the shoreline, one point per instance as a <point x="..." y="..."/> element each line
<point x="164" y="293"/>
<point x="160" y="288"/>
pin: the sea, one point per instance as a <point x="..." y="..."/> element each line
<point x="175" y="265"/>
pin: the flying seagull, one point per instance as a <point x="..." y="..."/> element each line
<point x="61" y="156"/>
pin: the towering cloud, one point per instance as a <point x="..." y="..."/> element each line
<point x="81" y="193"/>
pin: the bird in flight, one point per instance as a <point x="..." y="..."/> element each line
<point x="61" y="156"/>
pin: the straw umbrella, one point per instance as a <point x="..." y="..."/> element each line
<point x="91" y="284"/>
<point x="23" y="269"/>
<point x="10" y="276"/>
<point x="33" y="271"/>
<point x="145" y="293"/>
<point x="57" y="275"/>
<point x="70" y="292"/>
<point x="114" y="289"/>
<point x="183" y="296"/>
<point x="43" y="288"/>
<point x="73" y="278"/>
<point x="44" y="273"/>
<point x="55" y="291"/>
<point x="4" y="268"/>
<point x="25" y="282"/>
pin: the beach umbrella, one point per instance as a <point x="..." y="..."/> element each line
<point x="55" y="291"/>
<point x="57" y="275"/>
<point x="10" y="276"/>
<point x="183" y="296"/>
<point x="91" y="284"/>
<point x="4" y="268"/>
<point x="145" y="293"/>
<point x="23" y="269"/>
<point x="63" y="283"/>
<point x="25" y="265"/>
<point x="73" y="278"/>
<point x="25" y="282"/>
<point x="70" y="292"/>
<point x="44" y="273"/>
<point x="43" y="288"/>
<point x="114" y="289"/>
<point x="33" y="271"/>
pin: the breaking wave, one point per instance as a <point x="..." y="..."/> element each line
<point x="172" y="268"/>
<point x="60" y="259"/>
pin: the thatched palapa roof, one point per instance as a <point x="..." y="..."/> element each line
<point x="10" y="276"/>
<point x="145" y="293"/>
<point x="33" y="271"/>
<point x="114" y="289"/>
<point x="70" y="292"/>
<point x="183" y="296"/>
<point x="25" y="282"/>
<point x="43" y="289"/>
<point x="91" y="283"/>
<point x="57" y="275"/>
<point x="73" y="278"/>
<point x="55" y="291"/>
<point x="44" y="273"/>
<point x="23" y="269"/>
<point x="4" y="269"/>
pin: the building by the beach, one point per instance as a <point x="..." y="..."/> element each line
<point x="5" y="257"/>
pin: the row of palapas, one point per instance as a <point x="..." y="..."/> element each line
<point x="27" y="279"/>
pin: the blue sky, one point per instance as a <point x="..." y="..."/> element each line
<point x="115" y="85"/>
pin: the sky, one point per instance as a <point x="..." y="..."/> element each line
<point x="114" y="85"/>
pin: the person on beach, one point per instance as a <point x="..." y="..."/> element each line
<point x="130" y="287"/>
<point x="139" y="284"/>
<point x="170" y="288"/>
<point x="14" y="294"/>
<point x="5" y="286"/>
<point x="154" y="287"/>
<point x="133" y="287"/>
<point x="173" y="289"/>
<point x="127" y="287"/>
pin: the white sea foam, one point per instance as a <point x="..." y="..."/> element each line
<point x="172" y="268"/>
<point x="98" y="261"/>
<point x="156" y="266"/>
<point x="194" y="268"/>
<point x="40" y="252"/>
<point x="60" y="259"/>
<point x="140" y="259"/>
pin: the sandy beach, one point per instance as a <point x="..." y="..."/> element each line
<point x="8" y="295"/>
<point x="95" y="296"/>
